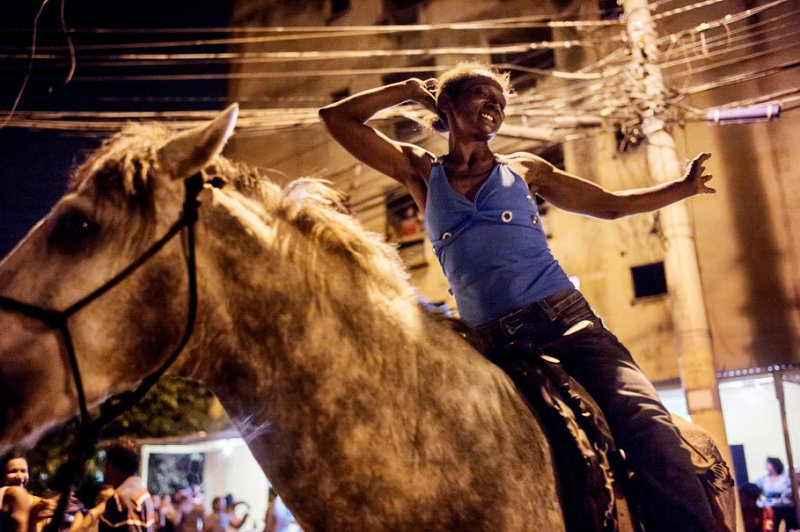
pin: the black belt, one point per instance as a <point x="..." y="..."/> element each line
<point x="500" y="332"/>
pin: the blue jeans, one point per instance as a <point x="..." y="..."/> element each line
<point x="670" y="494"/>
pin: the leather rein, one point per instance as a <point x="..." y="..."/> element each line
<point x="89" y="429"/>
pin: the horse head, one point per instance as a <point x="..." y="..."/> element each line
<point x="119" y="200"/>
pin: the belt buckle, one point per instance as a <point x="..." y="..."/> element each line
<point x="511" y="324"/>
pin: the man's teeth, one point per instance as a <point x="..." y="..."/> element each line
<point x="487" y="116"/>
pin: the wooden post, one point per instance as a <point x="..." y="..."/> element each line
<point x="777" y="378"/>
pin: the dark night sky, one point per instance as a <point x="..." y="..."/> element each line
<point x="34" y="164"/>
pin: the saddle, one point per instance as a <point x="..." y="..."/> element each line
<point x="589" y="468"/>
<point x="591" y="471"/>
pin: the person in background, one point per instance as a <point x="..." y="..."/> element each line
<point x="15" y="470"/>
<point x="190" y="503"/>
<point x="755" y="518"/>
<point x="483" y="222"/>
<point x="168" y="513"/>
<point x="278" y="517"/>
<point x="19" y="510"/>
<point x="776" y="489"/>
<point x="235" y="522"/>
<point x="217" y="520"/>
<point x="157" y="510"/>
<point x="15" y="501"/>
<point x="131" y="507"/>
<point x="89" y="521"/>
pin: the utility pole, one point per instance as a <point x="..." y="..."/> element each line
<point x="693" y="338"/>
<point x="777" y="377"/>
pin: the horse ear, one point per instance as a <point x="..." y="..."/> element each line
<point x="189" y="152"/>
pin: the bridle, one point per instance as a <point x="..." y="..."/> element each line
<point x="89" y="429"/>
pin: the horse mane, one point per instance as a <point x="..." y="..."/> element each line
<point x="123" y="171"/>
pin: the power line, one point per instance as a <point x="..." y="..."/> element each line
<point x="738" y="78"/>
<point x="159" y="59"/>
<point x="169" y="59"/>
<point x="322" y="32"/>
<point x="790" y="44"/>
<point x="619" y="55"/>
<point x="30" y="67"/>
<point x="597" y="90"/>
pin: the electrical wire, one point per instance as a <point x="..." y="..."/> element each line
<point x="70" y="46"/>
<point x="747" y="32"/>
<point x="596" y="90"/>
<point x="745" y="76"/>
<point x="790" y="45"/>
<point x="30" y="67"/>
<point x="620" y="54"/>
<point x="685" y="9"/>
<point x="166" y="60"/>
<point x="322" y="32"/>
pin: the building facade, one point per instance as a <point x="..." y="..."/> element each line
<point x="576" y="106"/>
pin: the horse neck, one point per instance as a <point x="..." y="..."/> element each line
<point x="284" y="324"/>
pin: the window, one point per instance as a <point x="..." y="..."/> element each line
<point x="403" y="219"/>
<point x="398" y="12"/>
<point x="405" y="227"/>
<point x="649" y="280"/>
<point x="339" y="7"/>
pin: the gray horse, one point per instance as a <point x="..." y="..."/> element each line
<point x="364" y="410"/>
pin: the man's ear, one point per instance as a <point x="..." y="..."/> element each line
<point x="445" y="102"/>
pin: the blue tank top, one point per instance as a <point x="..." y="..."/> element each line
<point x="493" y="251"/>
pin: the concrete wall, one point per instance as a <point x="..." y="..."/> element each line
<point x="747" y="235"/>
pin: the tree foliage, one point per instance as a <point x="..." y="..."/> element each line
<point x="173" y="407"/>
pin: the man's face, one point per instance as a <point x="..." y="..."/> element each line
<point x="479" y="107"/>
<point x="16" y="473"/>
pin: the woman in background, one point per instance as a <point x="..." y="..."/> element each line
<point x="776" y="490"/>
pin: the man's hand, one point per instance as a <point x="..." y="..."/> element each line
<point x="424" y="93"/>
<point x="43" y="509"/>
<point x="696" y="176"/>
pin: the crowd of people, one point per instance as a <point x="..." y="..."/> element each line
<point x="122" y="502"/>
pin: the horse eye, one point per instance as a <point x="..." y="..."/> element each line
<point x="72" y="232"/>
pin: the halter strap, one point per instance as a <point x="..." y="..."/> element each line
<point x="89" y="429"/>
